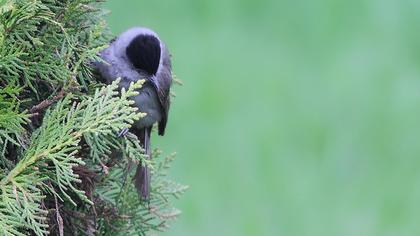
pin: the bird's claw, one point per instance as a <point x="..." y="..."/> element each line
<point x="123" y="132"/>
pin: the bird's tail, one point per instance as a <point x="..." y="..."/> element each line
<point x="142" y="176"/>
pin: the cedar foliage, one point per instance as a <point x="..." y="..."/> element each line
<point x="63" y="168"/>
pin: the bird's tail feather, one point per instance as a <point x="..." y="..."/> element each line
<point x="142" y="176"/>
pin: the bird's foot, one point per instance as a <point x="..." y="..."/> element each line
<point x="123" y="132"/>
<point x="105" y="168"/>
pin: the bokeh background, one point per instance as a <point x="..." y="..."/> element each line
<point x="296" y="118"/>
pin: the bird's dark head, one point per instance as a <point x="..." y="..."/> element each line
<point x="144" y="53"/>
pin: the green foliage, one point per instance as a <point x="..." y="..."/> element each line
<point x="49" y="42"/>
<point x="11" y="119"/>
<point x="63" y="168"/>
<point x="138" y="218"/>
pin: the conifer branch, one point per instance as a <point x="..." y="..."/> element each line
<point x="52" y="165"/>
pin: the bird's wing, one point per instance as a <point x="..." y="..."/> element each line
<point x="162" y="84"/>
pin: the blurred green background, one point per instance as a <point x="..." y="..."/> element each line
<point x="296" y="117"/>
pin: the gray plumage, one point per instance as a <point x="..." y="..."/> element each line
<point x="136" y="54"/>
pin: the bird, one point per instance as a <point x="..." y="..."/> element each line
<point x="137" y="54"/>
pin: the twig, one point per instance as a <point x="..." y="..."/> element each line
<point x="47" y="102"/>
<point x="59" y="218"/>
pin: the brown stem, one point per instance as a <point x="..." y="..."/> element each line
<point x="47" y="102"/>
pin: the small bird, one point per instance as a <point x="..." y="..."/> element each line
<point x="136" y="54"/>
